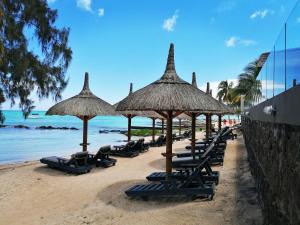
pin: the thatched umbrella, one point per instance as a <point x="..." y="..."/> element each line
<point x="169" y="96"/>
<point x="224" y="109"/>
<point x="131" y="114"/>
<point x="85" y="106"/>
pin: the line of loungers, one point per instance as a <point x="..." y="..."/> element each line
<point x="193" y="177"/>
<point x="81" y="162"/>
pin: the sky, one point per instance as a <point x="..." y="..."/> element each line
<point x="118" y="42"/>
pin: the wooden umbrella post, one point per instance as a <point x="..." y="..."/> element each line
<point x="207" y="126"/>
<point x="85" y="133"/>
<point x="220" y="122"/>
<point x="179" y="126"/>
<point x="193" y="144"/>
<point x="153" y="129"/>
<point x="169" y="145"/>
<point x="129" y="128"/>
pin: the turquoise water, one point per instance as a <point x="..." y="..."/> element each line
<point x="17" y="145"/>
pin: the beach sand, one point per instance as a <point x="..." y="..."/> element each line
<point x="31" y="193"/>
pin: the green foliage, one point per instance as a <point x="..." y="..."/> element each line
<point x="23" y="71"/>
<point x="144" y="132"/>
<point x="248" y="85"/>
<point x="225" y="91"/>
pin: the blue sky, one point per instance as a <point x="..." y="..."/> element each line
<point x="119" y="41"/>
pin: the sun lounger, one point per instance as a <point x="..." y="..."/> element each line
<point x="191" y="187"/>
<point x="101" y="158"/>
<point x="161" y="140"/>
<point x="190" y="162"/>
<point x="124" y="150"/>
<point x="187" y="134"/>
<point x="177" y="137"/>
<point x="140" y="146"/>
<point x="207" y="175"/>
<point x="77" y="164"/>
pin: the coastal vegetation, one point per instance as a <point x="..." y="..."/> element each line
<point x="144" y="132"/>
<point x="248" y="85"/>
<point x="23" y="71"/>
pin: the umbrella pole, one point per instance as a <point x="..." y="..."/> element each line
<point x="179" y="126"/>
<point x="85" y="133"/>
<point x="153" y="129"/>
<point x="207" y="126"/>
<point x="169" y="146"/>
<point x="162" y="126"/>
<point x="193" y="134"/>
<point x="129" y="128"/>
<point x="220" y="122"/>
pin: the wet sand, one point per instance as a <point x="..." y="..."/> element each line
<point x="32" y="193"/>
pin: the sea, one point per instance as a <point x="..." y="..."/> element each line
<point x="19" y="144"/>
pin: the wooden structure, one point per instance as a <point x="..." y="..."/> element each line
<point x="169" y="96"/>
<point x="85" y="106"/>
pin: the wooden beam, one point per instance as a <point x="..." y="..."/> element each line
<point x="163" y="114"/>
<point x="85" y="133"/>
<point x="129" y="128"/>
<point x="220" y="122"/>
<point x="207" y="126"/>
<point x="153" y="129"/>
<point x="179" y="126"/>
<point x="169" y="146"/>
<point x="193" y="144"/>
<point x="177" y="113"/>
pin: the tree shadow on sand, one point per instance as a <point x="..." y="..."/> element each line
<point x="114" y="195"/>
<point x="158" y="164"/>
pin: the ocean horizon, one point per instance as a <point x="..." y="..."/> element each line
<point x="20" y="144"/>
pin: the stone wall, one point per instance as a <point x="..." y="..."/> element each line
<point x="274" y="156"/>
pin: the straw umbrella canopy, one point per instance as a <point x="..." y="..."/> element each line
<point x="169" y="96"/>
<point x="85" y="106"/>
<point x="130" y="114"/>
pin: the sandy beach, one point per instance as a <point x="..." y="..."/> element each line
<point x="32" y="193"/>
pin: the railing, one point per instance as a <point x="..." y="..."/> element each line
<point x="281" y="70"/>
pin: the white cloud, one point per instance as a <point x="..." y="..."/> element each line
<point x="169" y="24"/>
<point x="234" y="41"/>
<point x="231" y="42"/>
<point x="101" y="12"/>
<point x="85" y="4"/>
<point x="261" y="14"/>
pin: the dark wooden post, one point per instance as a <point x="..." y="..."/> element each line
<point x="207" y="126"/>
<point x="220" y="122"/>
<point x="85" y="133"/>
<point x="169" y="145"/>
<point x="129" y="128"/>
<point x="179" y="126"/>
<point x="153" y="129"/>
<point x="193" y="134"/>
<point x="162" y="126"/>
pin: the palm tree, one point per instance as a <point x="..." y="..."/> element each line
<point x="225" y="91"/>
<point x="248" y="84"/>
